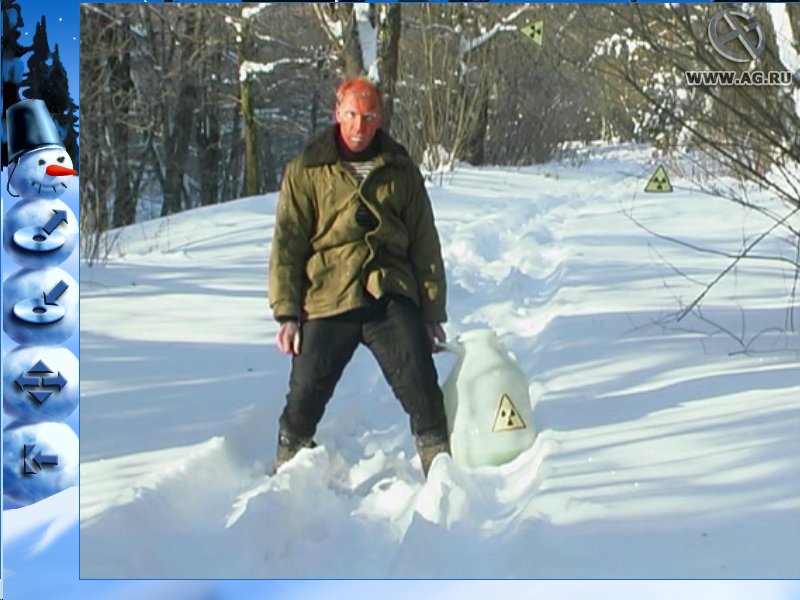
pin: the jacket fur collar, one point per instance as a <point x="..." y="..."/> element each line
<point x="325" y="151"/>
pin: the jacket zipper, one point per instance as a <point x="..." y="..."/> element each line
<point x="370" y="248"/>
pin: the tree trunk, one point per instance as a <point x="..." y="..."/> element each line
<point x="176" y="153"/>
<point x="250" y="141"/>
<point x="389" y="30"/>
<point x="793" y="9"/>
<point x="209" y="134"/>
<point x="94" y="185"/>
<point x="178" y="123"/>
<point x="119" y="68"/>
<point x="210" y="157"/>
<point x="251" y="154"/>
<point x="232" y="174"/>
<point x="476" y="140"/>
<point x="474" y="98"/>
<point x="351" y="51"/>
<point x="316" y="96"/>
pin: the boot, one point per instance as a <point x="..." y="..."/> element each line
<point x="429" y="449"/>
<point x="288" y="446"/>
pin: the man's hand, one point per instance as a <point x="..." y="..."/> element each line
<point x="436" y="335"/>
<point x="288" y="338"/>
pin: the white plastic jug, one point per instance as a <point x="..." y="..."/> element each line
<point x="486" y="399"/>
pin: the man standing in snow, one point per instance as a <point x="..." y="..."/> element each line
<point x="356" y="259"/>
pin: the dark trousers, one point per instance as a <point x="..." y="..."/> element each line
<point x="393" y="330"/>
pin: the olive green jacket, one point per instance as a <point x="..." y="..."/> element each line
<point x="322" y="260"/>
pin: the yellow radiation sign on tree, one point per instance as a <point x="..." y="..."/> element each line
<point x="659" y="182"/>
<point x="534" y="32"/>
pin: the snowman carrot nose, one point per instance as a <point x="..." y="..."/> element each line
<point x="58" y="171"/>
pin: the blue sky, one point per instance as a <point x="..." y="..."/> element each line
<point x="63" y="24"/>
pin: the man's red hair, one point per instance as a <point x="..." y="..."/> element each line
<point x="361" y="87"/>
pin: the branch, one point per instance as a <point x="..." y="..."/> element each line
<point x="119" y="22"/>
<point x="274" y="40"/>
<point x="248" y="12"/>
<point x="331" y="27"/>
<point x="249" y="67"/>
<point x="703" y="250"/>
<point x="736" y="261"/>
<point x="467" y="46"/>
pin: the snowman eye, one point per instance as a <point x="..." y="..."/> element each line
<point x="60" y="159"/>
<point x="41" y="162"/>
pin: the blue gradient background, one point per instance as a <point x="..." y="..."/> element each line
<point x="59" y="578"/>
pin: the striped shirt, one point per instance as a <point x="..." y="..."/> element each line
<point x="360" y="169"/>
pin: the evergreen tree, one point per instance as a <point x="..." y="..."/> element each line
<point x="46" y="80"/>
<point x="63" y="109"/>
<point x="12" y="62"/>
<point x="36" y="77"/>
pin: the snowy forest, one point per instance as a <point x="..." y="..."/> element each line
<point x="191" y="105"/>
<point x="36" y="71"/>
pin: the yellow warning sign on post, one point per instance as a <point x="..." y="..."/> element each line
<point x="534" y="31"/>
<point x="507" y="418"/>
<point x="659" y="182"/>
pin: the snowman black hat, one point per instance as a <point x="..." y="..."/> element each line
<point x="30" y="126"/>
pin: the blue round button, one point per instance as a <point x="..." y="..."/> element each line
<point x="40" y="306"/>
<point x="37" y="311"/>
<point x="38" y="461"/>
<point x="40" y="383"/>
<point x="40" y="233"/>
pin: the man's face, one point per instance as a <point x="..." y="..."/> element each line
<point x="359" y="118"/>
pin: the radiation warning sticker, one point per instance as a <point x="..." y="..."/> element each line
<point x="659" y="182"/>
<point x="534" y="31"/>
<point x="507" y="418"/>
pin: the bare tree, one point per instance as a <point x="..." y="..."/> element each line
<point x="453" y="78"/>
<point x="748" y="131"/>
<point x="367" y="37"/>
<point x="111" y="179"/>
<point x="245" y="49"/>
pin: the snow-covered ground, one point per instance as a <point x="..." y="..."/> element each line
<point x="665" y="450"/>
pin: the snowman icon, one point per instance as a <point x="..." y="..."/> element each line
<point x="40" y="230"/>
<point x="41" y="162"/>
